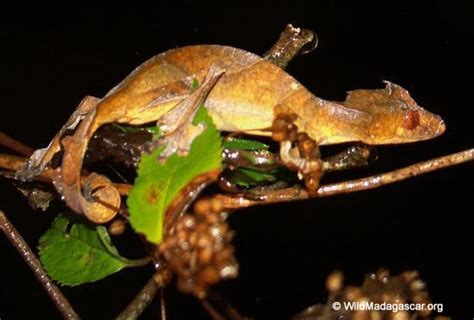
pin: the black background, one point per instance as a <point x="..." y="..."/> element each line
<point x="49" y="60"/>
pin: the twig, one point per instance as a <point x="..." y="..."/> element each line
<point x="228" y="310"/>
<point x="162" y="304"/>
<point x="291" y="194"/>
<point x="14" y="163"/>
<point x="187" y="195"/>
<point x="15" y="145"/>
<point x="22" y="247"/>
<point x="215" y="315"/>
<point x="297" y="193"/>
<point x="142" y="299"/>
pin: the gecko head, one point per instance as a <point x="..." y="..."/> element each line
<point x="395" y="116"/>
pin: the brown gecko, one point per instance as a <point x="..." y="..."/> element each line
<point x="243" y="92"/>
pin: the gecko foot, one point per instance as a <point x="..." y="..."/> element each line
<point x="298" y="151"/>
<point x="176" y="125"/>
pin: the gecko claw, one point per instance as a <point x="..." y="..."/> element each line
<point x="304" y="157"/>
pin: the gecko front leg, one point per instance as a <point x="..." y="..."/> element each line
<point x="176" y="125"/>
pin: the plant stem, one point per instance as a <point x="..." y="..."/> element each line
<point x="187" y="195"/>
<point x="162" y="304"/>
<point x="14" y="163"/>
<point x="297" y="193"/>
<point x="15" y="145"/>
<point x="27" y="254"/>
<point x="228" y="311"/>
<point x="215" y="315"/>
<point x="290" y="194"/>
<point x="141" y="300"/>
<point x="138" y="262"/>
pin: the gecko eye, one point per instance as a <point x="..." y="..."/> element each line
<point x="411" y="120"/>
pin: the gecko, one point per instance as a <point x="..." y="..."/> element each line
<point x="242" y="92"/>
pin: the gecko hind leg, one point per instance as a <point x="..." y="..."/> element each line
<point x="298" y="151"/>
<point x="292" y="41"/>
<point x="353" y="157"/>
<point x="41" y="157"/>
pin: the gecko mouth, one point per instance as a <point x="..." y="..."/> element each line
<point x="440" y="128"/>
<point x="430" y="127"/>
<point x="432" y="130"/>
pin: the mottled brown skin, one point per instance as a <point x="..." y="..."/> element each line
<point x="252" y="90"/>
<point x="245" y="99"/>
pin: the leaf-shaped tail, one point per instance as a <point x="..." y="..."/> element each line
<point x="102" y="199"/>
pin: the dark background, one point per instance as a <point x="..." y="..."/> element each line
<point x="49" y="60"/>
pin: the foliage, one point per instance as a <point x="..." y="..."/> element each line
<point x="157" y="184"/>
<point x="75" y="252"/>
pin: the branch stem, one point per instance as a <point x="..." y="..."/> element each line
<point x="15" y="145"/>
<point x="142" y="299"/>
<point x="14" y="163"/>
<point x="35" y="265"/>
<point x="163" y="304"/>
<point x="297" y="193"/>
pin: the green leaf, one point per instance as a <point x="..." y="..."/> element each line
<point x="251" y="177"/>
<point x="127" y="129"/>
<point x="244" y="144"/>
<point x="74" y="252"/>
<point x="258" y="176"/>
<point x="258" y="157"/>
<point x="158" y="184"/>
<point x="247" y="177"/>
<point x="194" y="84"/>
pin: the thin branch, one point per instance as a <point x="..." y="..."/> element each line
<point x="141" y="300"/>
<point x="15" y="145"/>
<point x="10" y="162"/>
<point x="187" y="195"/>
<point x="162" y="304"/>
<point x="14" y="163"/>
<point x="215" y="315"/>
<point x="297" y="193"/>
<point x="27" y="254"/>
<point x="228" y="310"/>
